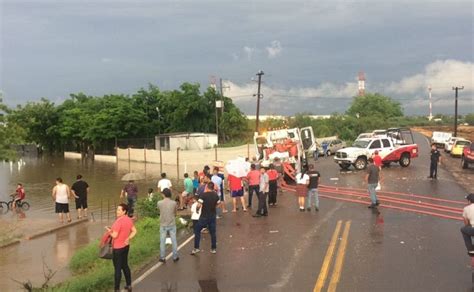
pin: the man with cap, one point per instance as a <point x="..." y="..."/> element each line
<point x="468" y="230"/>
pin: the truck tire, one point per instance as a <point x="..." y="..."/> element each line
<point x="464" y="163"/>
<point x="360" y="163"/>
<point x="344" y="166"/>
<point x="405" y="160"/>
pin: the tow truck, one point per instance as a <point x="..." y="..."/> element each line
<point x="397" y="145"/>
<point x="289" y="148"/>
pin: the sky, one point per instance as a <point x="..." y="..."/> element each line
<point x="310" y="51"/>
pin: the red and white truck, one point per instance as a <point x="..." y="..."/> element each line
<point x="397" y="145"/>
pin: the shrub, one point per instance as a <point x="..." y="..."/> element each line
<point x="147" y="207"/>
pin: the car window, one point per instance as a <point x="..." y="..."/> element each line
<point x="462" y="143"/>
<point x="375" y="144"/>
<point x="386" y="143"/>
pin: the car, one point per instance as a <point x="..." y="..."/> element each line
<point x="449" y="144"/>
<point x="333" y="146"/>
<point x="467" y="156"/>
<point x="458" y="146"/>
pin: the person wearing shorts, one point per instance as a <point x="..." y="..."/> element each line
<point x="188" y="190"/>
<point x="236" y="192"/>
<point x="61" y="194"/>
<point x="79" y="190"/>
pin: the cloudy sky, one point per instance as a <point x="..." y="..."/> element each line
<point x="310" y="51"/>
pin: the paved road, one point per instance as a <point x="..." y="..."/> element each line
<point x="290" y="250"/>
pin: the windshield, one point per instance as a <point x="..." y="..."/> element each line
<point x="462" y="143"/>
<point x="360" y="144"/>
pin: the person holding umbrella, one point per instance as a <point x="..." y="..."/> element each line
<point x="130" y="191"/>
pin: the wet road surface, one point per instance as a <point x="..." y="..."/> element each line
<point x="384" y="250"/>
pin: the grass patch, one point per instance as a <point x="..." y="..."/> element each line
<point x="90" y="273"/>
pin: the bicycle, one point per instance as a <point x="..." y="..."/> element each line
<point x="25" y="206"/>
<point x="3" y="207"/>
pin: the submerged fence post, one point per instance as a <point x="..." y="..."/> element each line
<point x="215" y="152"/>
<point x="248" y="150"/>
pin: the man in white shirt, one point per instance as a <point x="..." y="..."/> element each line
<point x="468" y="230"/>
<point x="164" y="183"/>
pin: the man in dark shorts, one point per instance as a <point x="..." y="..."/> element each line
<point x="435" y="158"/>
<point x="80" y="190"/>
<point x="130" y="191"/>
<point x="207" y="205"/>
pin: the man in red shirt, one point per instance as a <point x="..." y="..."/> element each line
<point x="377" y="159"/>
<point x="236" y="191"/>
<point x="253" y="177"/>
<point x="273" y="185"/>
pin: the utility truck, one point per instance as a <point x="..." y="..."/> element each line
<point x="397" y="145"/>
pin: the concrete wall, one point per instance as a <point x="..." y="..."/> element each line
<point x="189" y="160"/>
<point x="106" y="158"/>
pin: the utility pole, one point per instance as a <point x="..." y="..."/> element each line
<point x="259" y="74"/>
<point x="456" y="89"/>
<point x="221" y="87"/>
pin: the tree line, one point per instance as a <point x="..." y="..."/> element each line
<point x="89" y="121"/>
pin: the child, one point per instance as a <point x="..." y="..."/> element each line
<point x="19" y="194"/>
<point x="150" y="194"/>
<point x="195" y="213"/>
<point x="195" y="181"/>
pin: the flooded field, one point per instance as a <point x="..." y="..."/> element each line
<point x="55" y="249"/>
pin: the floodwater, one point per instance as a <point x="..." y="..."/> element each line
<point x="55" y="249"/>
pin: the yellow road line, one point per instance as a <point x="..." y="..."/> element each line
<point x="341" y="252"/>
<point x="327" y="259"/>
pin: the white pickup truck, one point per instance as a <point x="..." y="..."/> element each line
<point x="440" y="138"/>
<point x="388" y="149"/>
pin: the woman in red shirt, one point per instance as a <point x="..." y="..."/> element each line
<point x="122" y="231"/>
<point x="273" y="185"/>
<point x="236" y="191"/>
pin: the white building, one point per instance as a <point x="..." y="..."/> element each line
<point x="186" y="141"/>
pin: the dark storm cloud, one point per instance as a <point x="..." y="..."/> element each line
<point x="53" y="48"/>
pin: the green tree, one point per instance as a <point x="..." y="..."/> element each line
<point x="469" y="118"/>
<point x="40" y="120"/>
<point x="374" y="105"/>
<point x="10" y="134"/>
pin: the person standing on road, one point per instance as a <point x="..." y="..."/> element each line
<point x="467" y="230"/>
<point x="207" y="204"/>
<point x="167" y="209"/>
<point x="273" y="186"/>
<point x="236" y="192"/>
<point x="217" y="180"/>
<point x="61" y="194"/>
<point x="262" y="195"/>
<point x="122" y="231"/>
<point x="373" y="177"/>
<point x="325" y="148"/>
<point x="377" y="159"/>
<point x="435" y="158"/>
<point x="253" y="178"/>
<point x="313" y="195"/>
<point x="302" y="182"/>
<point x="80" y="190"/>
<point x="130" y="191"/>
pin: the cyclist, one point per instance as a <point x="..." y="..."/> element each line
<point x="19" y="195"/>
